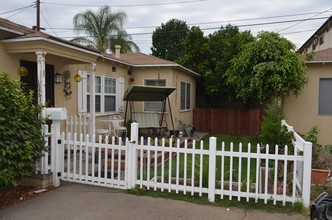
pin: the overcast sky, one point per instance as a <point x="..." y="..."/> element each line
<point x="296" y="20"/>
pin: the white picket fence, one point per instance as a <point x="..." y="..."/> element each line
<point x="189" y="168"/>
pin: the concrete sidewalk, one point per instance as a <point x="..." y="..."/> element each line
<point x="77" y="201"/>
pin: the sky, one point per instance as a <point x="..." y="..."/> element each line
<point x="295" y="20"/>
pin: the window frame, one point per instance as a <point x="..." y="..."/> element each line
<point x="326" y="90"/>
<point x="185" y="96"/>
<point x="102" y="94"/>
<point x="145" y="104"/>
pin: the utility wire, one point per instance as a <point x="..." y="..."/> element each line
<point x="243" y="25"/>
<point x="132" y="5"/>
<point x="49" y="19"/>
<point x="216" y="22"/>
<point x="18" y="9"/>
<point x="304" y="20"/>
<point x="48" y="23"/>
<point x="17" y="12"/>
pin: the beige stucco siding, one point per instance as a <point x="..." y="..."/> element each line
<point x="302" y="111"/>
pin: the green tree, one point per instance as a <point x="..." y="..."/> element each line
<point x="21" y="140"/>
<point x="211" y="56"/>
<point x="195" y="51"/>
<point x="223" y="46"/>
<point x="103" y="27"/>
<point x="266" y="68"/>
<point x="167" y="40"/>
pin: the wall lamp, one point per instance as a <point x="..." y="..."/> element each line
<point x="113" y="69"/>
<point x="57" y="78"/>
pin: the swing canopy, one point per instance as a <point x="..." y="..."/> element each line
<point x="147" y="93"/>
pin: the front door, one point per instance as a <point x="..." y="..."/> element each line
<point x="30" y="81"/>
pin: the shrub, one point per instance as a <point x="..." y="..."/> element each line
<point x="272" y="131"/>
<point x="21" y="139"/>
<point x="321" y="156"/>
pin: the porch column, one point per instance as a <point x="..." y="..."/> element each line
<point x="92" y="118"/>
<point x="41" y="76"/>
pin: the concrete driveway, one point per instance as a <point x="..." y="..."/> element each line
<point x="77" y="201"/>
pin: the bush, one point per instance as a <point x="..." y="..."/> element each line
<point x="321" y="156"/>
<point x="21" y="139"/>
<point x="272" y="131"/>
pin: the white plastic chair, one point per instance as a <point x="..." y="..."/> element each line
<point x="117" y="128"/>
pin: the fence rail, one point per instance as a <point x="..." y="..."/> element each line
<point x="228" y="121"/>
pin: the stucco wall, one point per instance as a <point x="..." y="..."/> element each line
<point x="302" y="111"/>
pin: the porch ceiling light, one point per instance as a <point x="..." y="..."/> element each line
<point x="22" y="71"/>
<point x="58" y="78"/>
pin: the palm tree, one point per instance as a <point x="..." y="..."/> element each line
<point x="103" y="29"/>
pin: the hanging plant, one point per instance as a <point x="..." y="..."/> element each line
<point x="67" y="86"/>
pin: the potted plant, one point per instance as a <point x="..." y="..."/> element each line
<point x="321" y="158"/>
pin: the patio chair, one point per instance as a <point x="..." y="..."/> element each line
<point x="116" y="126"/>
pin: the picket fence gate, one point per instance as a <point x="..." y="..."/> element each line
<point x="184" y="167"/>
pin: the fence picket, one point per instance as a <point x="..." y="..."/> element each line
<point x="177" y="165"/>
<point x="222" y="169"/>
<point x="248" y="172"/>
<point x="116" y="165"/>
<point x="170" y="164"/>
<point x="162" y="163"/>
<point x="275" y="176"/>
<point x="266" y="177"/>
<point x="239" y="173"/>
<point x="231" y="172"/>
<point x="257" y="172"/>
<point x="185" y="167"/>
<point x="285" y="176"/>
<point x="193" y="167"/>
<point x="148" y="164"/>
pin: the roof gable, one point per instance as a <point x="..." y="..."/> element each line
<point x="326" y="26"/>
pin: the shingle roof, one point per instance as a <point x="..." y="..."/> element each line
<point x="12" y="30"/>
<point x="25" y="32"/>
<point x="323" y="56"/>
<point x="140" y="59"/>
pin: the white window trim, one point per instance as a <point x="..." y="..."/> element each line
<point x="82" y="93"/>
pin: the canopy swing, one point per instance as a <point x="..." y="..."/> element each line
<point x="148" y="93"/>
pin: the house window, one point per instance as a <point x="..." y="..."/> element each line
<point x="108" y="92"/>
<point x="321" y="40"/>
<point x="325" y="96"/>
<point x="154" y="106"/>
<point x="185" y="95"/>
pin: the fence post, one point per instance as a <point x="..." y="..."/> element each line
<point x="132" y="156"/>
<point x="307" y="155"/>
<point x="55" y="153"/>
<point x="212" y="168"/>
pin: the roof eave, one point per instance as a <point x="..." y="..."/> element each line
<point x="319" y="61"/>
<point x="51" y="41"/>
<point x="11" y="31"/>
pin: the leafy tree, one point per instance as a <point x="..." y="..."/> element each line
<point x="21" y="140"/>
<point x="266" y="68"/>
<point x="167" y="40"/>
<point x="102" y="28"/>
<point x="195" y="51"/>
<point x="211" y="56"/>
<point x="223" y="46"/>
